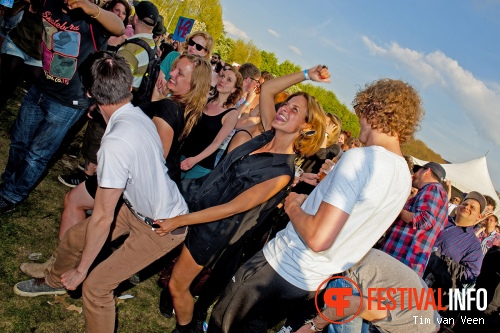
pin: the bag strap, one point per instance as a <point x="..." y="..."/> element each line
<point x="142" y="43"/>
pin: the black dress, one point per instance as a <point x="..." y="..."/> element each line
<point x="238" y="172"/>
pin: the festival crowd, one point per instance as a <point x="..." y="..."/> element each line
<point x="252" y="199"/>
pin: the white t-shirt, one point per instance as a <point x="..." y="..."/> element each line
<point x="370" y="184"/>
<point x="131" y="158"/>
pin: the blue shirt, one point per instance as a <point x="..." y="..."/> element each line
<point x="462" y="246"/>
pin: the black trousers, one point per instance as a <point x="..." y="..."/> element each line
<point x="256" y="295"/>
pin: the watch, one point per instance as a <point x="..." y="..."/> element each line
<point x="313" y="326"/>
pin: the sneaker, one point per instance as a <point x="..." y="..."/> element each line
<point x="6" y="206"/>
<point x="74" y="179"/>
<point x="36" y="287"/>
<point x="73" y="151"/>
<point x="37" y="270"/>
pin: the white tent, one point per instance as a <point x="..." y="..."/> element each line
<point x="469" y="176"/>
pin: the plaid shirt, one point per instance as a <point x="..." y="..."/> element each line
<point x="411" y="243"/>
<point x="487" y="241"/>
<point x="463" y="247"/>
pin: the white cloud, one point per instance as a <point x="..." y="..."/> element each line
<point x="295" y="50"/>
<point x="231" y="29"/>
<point x="274" y="33"/>
<point x="480" y="103"/>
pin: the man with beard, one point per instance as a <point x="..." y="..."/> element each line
<point x="411" y="237"/>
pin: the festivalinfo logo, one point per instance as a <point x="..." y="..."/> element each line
<point x="385" y="299"/>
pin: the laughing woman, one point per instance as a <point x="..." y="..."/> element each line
<point x="246" y="185"/>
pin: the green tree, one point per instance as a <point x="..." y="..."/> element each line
<point x="287" y="67"/>
<point x="224" y="46"/>
<point x="244" y="52"/>
<point x="208" y="12"/>
<point x="269" y="62"/>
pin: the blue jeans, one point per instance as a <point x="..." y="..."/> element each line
<point x="357" y="325"/>
<point x="38" y="131"/>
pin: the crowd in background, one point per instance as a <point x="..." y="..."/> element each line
<point x="251" y="195"/>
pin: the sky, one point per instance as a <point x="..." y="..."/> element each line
<point x="448" y="50"/>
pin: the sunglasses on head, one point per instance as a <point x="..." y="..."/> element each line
<point x="199" y="47"/>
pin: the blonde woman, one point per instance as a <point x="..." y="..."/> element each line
<point x="245" y="185"/>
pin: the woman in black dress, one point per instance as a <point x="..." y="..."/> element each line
<point x="245" y="185"/>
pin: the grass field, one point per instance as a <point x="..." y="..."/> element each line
<point x="33" y="228"/>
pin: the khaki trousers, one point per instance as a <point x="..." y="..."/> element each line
<point x="142" y="247"/>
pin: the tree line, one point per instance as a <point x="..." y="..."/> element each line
<point x="208" y="16"/>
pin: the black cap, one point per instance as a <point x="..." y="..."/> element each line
<point x="435" y="167"/>
<point x="159" y="27"/>
<point x="147" y="12"/>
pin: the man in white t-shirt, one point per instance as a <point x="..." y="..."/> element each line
<point x="131" y="164"/>
<point x="333" y="228"/>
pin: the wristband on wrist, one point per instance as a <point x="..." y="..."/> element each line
<point x="246" y="103"/>
<point x="98" y="12"/>
<point x="306" y="75"/>
<point x="313" y="326"/>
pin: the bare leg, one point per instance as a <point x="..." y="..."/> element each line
<point x="184" y="272"/>
<point x="76" y="202"/>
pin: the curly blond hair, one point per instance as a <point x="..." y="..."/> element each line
<point x="390" y="106"/>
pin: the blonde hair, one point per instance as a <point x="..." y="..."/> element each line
<point x="334" y="137"/>
<point x="208" y="39"/>
<point x="308" y="145"/>
<point x="390" y="106"/>
<point x="194" y="101"/>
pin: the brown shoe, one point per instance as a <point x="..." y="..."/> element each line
<point x="37" y="270"/>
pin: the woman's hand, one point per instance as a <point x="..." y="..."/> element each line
<point x="319" y="73"/>
<point x="167" y="225"/>
<point x="188" y="163"/>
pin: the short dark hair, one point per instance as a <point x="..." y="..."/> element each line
<point x="108" y="79"/>
<point x="249" y="70"/>
<point x="490" y="201"/>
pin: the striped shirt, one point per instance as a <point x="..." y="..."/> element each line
<point x="137" y="57"/>
<point x="487" y="241"/>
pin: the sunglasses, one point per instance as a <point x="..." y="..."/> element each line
<point x="199" y="47"/>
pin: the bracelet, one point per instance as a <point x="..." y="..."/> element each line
<point x="98" y="12"/>
<point x="246" y="103"/>
<point x="313" y="326"/>
<point x="306" y="75"/>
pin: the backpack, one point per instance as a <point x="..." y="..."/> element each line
<point x="145" y="90"/>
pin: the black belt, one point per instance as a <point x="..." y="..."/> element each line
<point x="149" y="221"/>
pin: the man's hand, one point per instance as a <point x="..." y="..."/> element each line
<point x="72" y="279"/>
<point x="294" y="199"/>
<point x="327" y="166"/>
<point x="310" y="178"/>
